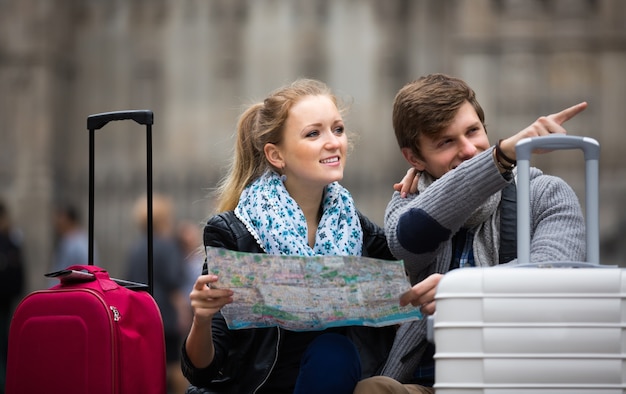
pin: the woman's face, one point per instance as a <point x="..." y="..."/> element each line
<point x="314" y="145"/>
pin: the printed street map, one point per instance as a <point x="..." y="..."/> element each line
<point x="310" y="293"/>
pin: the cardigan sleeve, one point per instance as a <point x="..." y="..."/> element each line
<point x="419" y="227"/>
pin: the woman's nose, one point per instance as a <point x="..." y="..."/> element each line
<point x="333" y="141"/>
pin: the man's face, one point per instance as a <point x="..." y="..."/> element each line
<point x="463" y="139"/>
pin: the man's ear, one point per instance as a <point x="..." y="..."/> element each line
<point x="413" y="160"/>
<point x="273" y="155"/>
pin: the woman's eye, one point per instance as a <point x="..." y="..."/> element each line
<point x="313" y="133"/>
<point x="339" y="130"/>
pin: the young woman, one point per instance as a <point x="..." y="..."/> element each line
<point x="282" y="196"/>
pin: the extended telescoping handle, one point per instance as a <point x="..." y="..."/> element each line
<point x="591" y="150"/>
<point x="96" y="122"/>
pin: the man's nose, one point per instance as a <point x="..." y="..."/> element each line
<point x="468" y="149"/>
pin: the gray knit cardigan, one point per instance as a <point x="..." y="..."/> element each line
<point x="557" y="234"/>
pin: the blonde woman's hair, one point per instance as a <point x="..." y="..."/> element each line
<point x="258" y="125"/>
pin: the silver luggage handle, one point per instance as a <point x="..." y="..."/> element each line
<point x="591" y="150"/>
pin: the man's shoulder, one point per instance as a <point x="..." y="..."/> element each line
<point x="539" y="180"/>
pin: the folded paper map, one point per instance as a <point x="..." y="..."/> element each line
<point x="302" y="293"/>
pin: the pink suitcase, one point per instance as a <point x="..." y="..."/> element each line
<point x="90" y="333"/>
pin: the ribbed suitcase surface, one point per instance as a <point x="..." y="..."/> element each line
<point x="530" y="330"/>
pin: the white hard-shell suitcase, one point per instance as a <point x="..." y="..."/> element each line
<point x="556" y="328"/>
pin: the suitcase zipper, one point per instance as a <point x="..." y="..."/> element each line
<point x="115" y="339"/>
<point x="113" y="329"/>
<point x="116" y="313"/>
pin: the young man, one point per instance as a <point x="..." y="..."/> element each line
<point x="454" y="219"/>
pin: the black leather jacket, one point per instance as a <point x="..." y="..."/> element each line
<point x="232" y="370"/>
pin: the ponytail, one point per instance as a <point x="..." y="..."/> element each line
<point x="248" y="162"/>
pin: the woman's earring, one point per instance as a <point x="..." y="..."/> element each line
<point x="283" y="178"/>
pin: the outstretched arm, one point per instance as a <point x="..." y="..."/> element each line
<point x="545" y="125"/>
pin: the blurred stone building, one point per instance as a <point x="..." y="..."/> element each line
<point x="195" y="63"/>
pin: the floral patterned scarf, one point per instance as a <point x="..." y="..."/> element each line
<point x="277" y="223"/>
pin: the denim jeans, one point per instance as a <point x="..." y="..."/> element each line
<point x="331" y="365"/>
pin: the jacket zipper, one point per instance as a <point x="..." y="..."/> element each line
<point x="272" y="366"/>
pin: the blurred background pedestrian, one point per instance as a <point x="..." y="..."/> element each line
<point x="190" y="240"/>
<point x="169" y="278"/>
<point x="11" y="282"/>
<point x="72" y="242"/>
